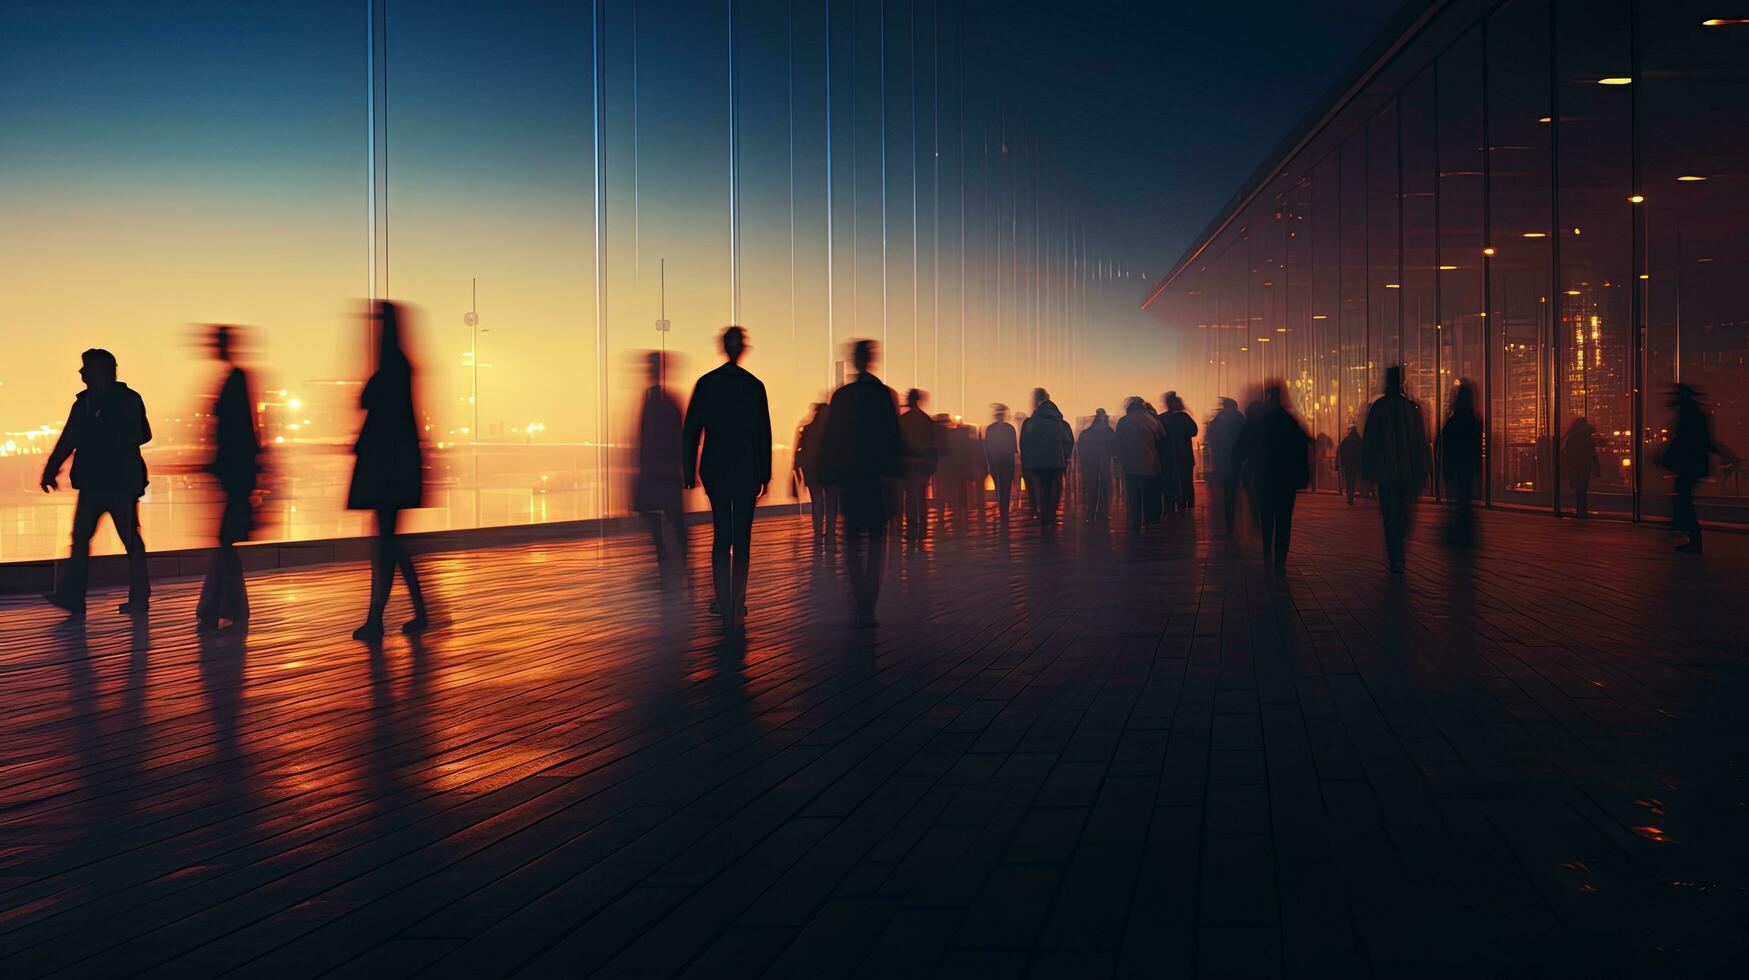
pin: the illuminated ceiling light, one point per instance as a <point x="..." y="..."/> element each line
<point x="1244" y="350"/>
<point x="1281" y="330"/>
<point x="1615" y="80"/>
<point x="1545" y="119"/>
<point x="1572" y="292"/>
<point x="1724" y="21"/>
<point x="1645" y="275"/>
<point x="1575" y="231"/>
<point x="1392" y="285"/>
<point x="1447" y="268"/>
<point x="1488" y="251"/>
<point x="1535" y="234"/>
<point x="1690" y="177"/>
<point x="1319" y="316"/>
<point x="1637" y="199"/>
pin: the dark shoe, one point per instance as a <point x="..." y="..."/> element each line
<point x="413" y="627"/>
<point x="371" y="630"/>
<point x="60" y="601"/>
<point x="1689" y="547"/>
<point x="131" y="608"/>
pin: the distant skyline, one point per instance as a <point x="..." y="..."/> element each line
<point x="175" y="164"/>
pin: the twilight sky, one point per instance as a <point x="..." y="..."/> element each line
<point x="170" y="163"/>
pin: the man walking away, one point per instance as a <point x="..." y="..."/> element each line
<point x="729" y="414"/>
<point x="1001" y="445"/>
<point x="1093" y="453"/>
<point x="917" y="431"/>
<point x="863" y="451"/>
<point x="1046" y="443"/>
<point x="103" y="434"/>
<point x="1394" y="456"/>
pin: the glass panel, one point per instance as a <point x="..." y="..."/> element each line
<point x="1519" y="227"/>
<point x="1594" y="333"/>
<point x="1420" y="336"/>
<point x="1383" y="276"/>
<point x="1463" y="320"/>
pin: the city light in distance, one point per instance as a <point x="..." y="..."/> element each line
<point x="1637" y="199"/>
<point x="1392" y="285"/>
<point x="1488" y="251"/>
<point x="1690" y="177"/>
<point x="1724" y="21"/>
<point x="1615" y="80"/>
<point x="1447" y="268"/>
<point x="1535" y="234"/>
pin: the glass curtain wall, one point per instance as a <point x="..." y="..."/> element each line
<point x="1542" y="197"/>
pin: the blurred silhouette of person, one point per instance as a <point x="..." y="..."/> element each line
<point x="1093" y="454"/>
<point x="1222" y="439"/>
<point x="1179" y="463"/>
<point x="388" y="474"/>
<point x="1394" y="457"/>
<point x="917" y="431"/>
<point x="1046" y="443"/>
<point x="863" y="452"/>
<point x="104" y="432"/>
<point x="950" y="476"/>
<point x="1001" y="445"/>
<point x="1348" y="463"/>
<point x="1277" y="444"/>
<point x="1688" y="456"/>
<point x="730" y="415"/>
<point x="1579" y="462"/>
<point x="1460" y="460"/>
<point x="657" y="494"/>
<point x="822" y="500"/>
<point x="235" y="464"/>
<point x="974" y="468"/>
<point x="1137" y="444"/>
<point x="1156" y="502"/>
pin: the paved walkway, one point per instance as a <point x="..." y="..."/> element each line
<point x="1069" y="758"/>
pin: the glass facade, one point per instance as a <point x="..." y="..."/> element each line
<point x="1543" y="197"/>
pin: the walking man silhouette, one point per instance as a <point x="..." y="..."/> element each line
<point x="1001" y="444"/>
<point x="389" y="474"/>
<point x="235" y="465"/>
<point x="862" y="455"/>
<point x="103" y="434"/>
<point x="729" y="414"/>
<point x="1046" y="443"/>
<point x="1395" y="455"/>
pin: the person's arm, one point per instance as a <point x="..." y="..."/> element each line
<point x="762" y="440"/>
<point x="692" y="432"/>
<point x="64" y="447"/>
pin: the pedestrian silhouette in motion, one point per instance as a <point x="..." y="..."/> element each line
<point x="917" y="430"/>
<point x="1046" y="443"/>
<point x="235" y="464"/>
<point x="388" y="474"/>
<point x="1460" y="460"/>
<point x="1689" y="457"/>
<point x="729" y="414"/>
<point x="657" y="493"/>
<point x="104" y="433"/>
<point x="1222" y="437"/>
<point x="822" y="500"/>
<point x="1001" y="445"/>
<point x="1138" y="453"/>
<point x="1178" y="462"/>
<point x="1348" y="463"/>
<point x="1093" y="454"/>
<point x="862" y="454"/>
<point x="1579" y="463"/>
<point x="1279" y="449"/>
<point x="1394" y="456"/>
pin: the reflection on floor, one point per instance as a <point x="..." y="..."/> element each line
<point x="1069" y="757"/>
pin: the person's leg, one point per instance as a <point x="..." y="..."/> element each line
<point x="382" y="570"/>
<point x="833" y="506"/>
<point x="1393" y="501"/>
<point x="404" y="561"/>
<point x="1683" y="516"/>
<point x="1580" y="500"/>
<point x="877" y="560"/>
<point x="722" y="536"/>
<point x="741" y="557"/>
<point x="854" y="544"/>
<point x="87" y="512"/>
<point x="1284" y="524"/>
<point x="125" y="515"/>
<point x="1004" y="479"/>
<point x="1053" y="497"/>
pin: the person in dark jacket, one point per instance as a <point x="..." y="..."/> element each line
<point x="1277" y="445"/>
<point x="1579" y="464"/>
<point x="1178" y="461"/>
<point x="822" y="500"/>
<point x="1137" y="444"/>
<point x="1460" y="459"/>
<point x="657" y="493"/>
<point x="1093" y="454"/>
<point x="1394" y="457"/>
<point x="388" y="475"/>
<point x="729" y="414"/>
<point x="1046" y="443"/>
<point x="950" y="471"/>
<point x="917" y="431"/>
<point x="235" y="464"/>
<point x="104" y="433"/>
<point x="862" y="455"/>
<point x="1348" y="462"/>
<point x="1222" y="439"/>
<point x="1688" y="456"/>
<point x="1001" y="445"/>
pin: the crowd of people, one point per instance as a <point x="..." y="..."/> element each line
<point x="870" y="471"/>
